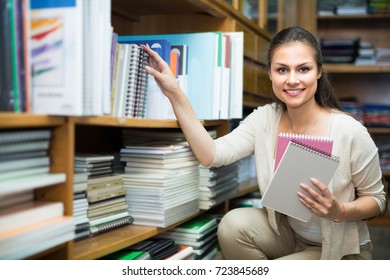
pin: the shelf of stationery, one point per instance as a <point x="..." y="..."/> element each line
<point x="352" y="68"/>
<point x="354" y="17"/>
<point x="100" y="245"/>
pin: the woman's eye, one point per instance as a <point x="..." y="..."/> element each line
<point x="304" y="69"/>
<point x="281" y="70"/>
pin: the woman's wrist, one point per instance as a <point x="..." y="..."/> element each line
<point x="340" y="218"/>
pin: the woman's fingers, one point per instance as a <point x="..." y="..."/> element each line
<point x="155" y="59"/>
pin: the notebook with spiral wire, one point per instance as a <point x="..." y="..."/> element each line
<point x="298" y="164"/>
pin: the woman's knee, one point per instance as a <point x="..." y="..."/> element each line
<point x="239" y="219"/>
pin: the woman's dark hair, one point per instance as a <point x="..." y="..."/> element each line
<point x="324" y="95"/>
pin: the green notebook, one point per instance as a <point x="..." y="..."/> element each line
<point x="196" y="225"/>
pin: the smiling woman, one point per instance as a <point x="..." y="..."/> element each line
<point x="305" y="103"/>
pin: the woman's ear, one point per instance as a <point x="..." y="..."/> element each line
<point x="319" y="74"/>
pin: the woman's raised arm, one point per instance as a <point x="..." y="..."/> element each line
<point x="199" y="139"/>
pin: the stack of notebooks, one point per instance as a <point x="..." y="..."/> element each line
<point x="107" y="207"/>
<point x="246" y="168"/>
<point x="217" y="184"/>
<point x="315" y="161"/>
<point x="376" y="115"/>
<point x="28" y="227"/>
<point x="199" y="233"/>
<point x="339" y="50"/>
<point x="94" y="164"/>
<point x="24" y="160"/>
<point x="161" y="178"/>
<point x="161" y="182"/>
<point x="153" y="249"/>
<point x="378" y="6"/>
<point x="384" y="155"/>
<point x="31" y="227"/>
<point x="80" y="205"/>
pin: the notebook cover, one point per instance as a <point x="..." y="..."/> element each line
<point x="281" y="194"/>
<point x="325" y="144"/>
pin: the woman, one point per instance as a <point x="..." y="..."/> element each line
<point x="305" y="105"/>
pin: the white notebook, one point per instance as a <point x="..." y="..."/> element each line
<point x="298" y="164"/>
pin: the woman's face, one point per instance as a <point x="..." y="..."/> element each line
<point x="294" y="74"/>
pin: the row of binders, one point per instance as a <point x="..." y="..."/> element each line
<point x="65" y="59"/>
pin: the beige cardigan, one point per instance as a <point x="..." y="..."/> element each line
<point x="358" y="173"/>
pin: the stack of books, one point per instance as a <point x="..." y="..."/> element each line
<point x="352" y="7"/>
<point x="378" y="6"/>
<point x="31" y="227"/>
<point x="27" y="226"/>
<point x="246" y="168"/>
<point x="382" y="56"/>
<point x="199" y="233"/>
<point x="153" y="249"/>
<point x="217" y="184"/>
<point x="339" y="50"/>
<point x="162" y="183"/>
<point x="161" y="177"/>
<point x="80" y="205"/>
<point x="366" y="54"/>
<point x="377" y="115"/>
<point x="384" y="156"/>
<point x="107" y="204"/>
<point x="352" y="107"/>
<point x="94" y="164"/>
<point x="24" y="160"/>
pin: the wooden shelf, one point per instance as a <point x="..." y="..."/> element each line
<point x="386" y="172"/>
<point x="138" y="123"/>
<point x="22" y="120"/>
<point x="351" y="68"/>
<point x="106" y="243"/>
<point x="355" y="17"/>
<point x="379" y="130"/>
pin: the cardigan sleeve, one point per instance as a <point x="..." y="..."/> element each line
<point x="237" y="144"/>
<point x="242" y="141"/>
<point x="359" y="161"/>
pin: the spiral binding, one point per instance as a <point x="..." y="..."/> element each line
<point x="137" y="86"/>
<point x="305" y="137"/>
<point x="314" y="150"/>
<point x="111" y="225"/>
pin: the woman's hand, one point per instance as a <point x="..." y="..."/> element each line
<point x="161" y="72"/>
<point x="323" y="204"/>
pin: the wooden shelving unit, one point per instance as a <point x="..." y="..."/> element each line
<point x="109" y="242"/>
<point x="74" y="134"/>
